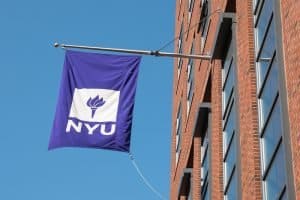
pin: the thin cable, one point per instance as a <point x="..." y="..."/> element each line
<point x="170" y="42"/>
<point x="144" y="179"/>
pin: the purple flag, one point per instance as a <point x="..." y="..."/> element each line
<point x="96" y="100"/>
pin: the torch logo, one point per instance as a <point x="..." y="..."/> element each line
<point x="94" y="104"/>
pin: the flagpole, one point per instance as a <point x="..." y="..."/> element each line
<point x="133" y="51"/>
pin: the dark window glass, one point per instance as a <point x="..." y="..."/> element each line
<point x="227" y="66"/>
<point x="203" y="18"/>
<point x="180" y="41"/>
<point x="230" y="160"/>
<point x="180" y="62"/>
<point x="263" y="20"/>
<point x="255" y="3"/>
<point x="205" y="164"/>
<point x="271" y="135"/>
<point x="204" y="192"/>
<point x="206" y="195"/>
<point x="228" y="78"/>
<point x="229" y="127"/>
<point x="190" y="69"/>
<point x="190" y="83"/>
<point x="190" y="195"/>
<point x="229" y="115"/>
<point x="178" y="132"/>
<point x="180" y="49"/>
<point x="228" y="86"/>
<point x="266" y="54"/>
<point x="191" y="5"/>
<point x="273" y="159"/>
<point x="284" y="196"/>
<point x="190" y="89"/>
<point x="275" y="179"/>
<point x="268" y="93"/>
<point x="205" y="159"/>
<point x="231" y="193"/>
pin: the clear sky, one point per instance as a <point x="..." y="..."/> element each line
<point x="29" y="82"/>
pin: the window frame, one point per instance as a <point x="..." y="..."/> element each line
<point x="190" y="79"/>
<point x="205" y="159"/>
<point x="190" y="9"/>
<point x="180" y="46"/>
<point x="204" y="22"/>
<point x="268" y="156"/>
<point x="178" y="133"/>
<point x="229" y="110"/>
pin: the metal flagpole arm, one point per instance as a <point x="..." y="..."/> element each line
<point x="195" y="56"/>
<point x="132" y="51"/>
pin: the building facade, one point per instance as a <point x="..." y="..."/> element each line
<point x="236" y="117"/>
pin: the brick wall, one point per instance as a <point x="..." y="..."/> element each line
<point x="290" y="18"/>
<point x="179" y="94"/>
<point x="202" y="71"/>
<point x="216" y="133"/>
<point x="249" y="155"/>
<point x="250" y="171"/>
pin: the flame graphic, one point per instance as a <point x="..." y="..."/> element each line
<point x="95" y="103"/>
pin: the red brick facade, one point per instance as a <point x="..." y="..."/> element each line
<point x="290" y="20"/>
<point x="208" y="89"/>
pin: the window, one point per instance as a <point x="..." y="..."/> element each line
<point x="190" y="192"/>
<point x="274" y="185"/>
<point x="255" y="2"/>
<point x="190" y="80"/>
<point x="231" y="191"/>
<point x="185" y="189"/>
<point x="180" y="49"/>
<point x="269" y="111"/>
<point x="205" y="163"/>
<point x="271" y="136"/>
<point x="229" y="125"/>
<point x="265" y="53"/>
<point x="204" y="21"/>
<point x="229" y="160"/>
<point x="262" y="17"/>
<point x="178" y="132"/>
<point x="268" y="92"/>
<point x="191" y="6"/>
<point x="228" y="83"/>
<point x="203" y="17"/>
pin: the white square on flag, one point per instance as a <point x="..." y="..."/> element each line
<point x="105" y="113"/>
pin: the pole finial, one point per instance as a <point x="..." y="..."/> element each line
<point x="56" y="45"/>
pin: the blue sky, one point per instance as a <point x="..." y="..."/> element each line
<point x="29" y="82"/>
